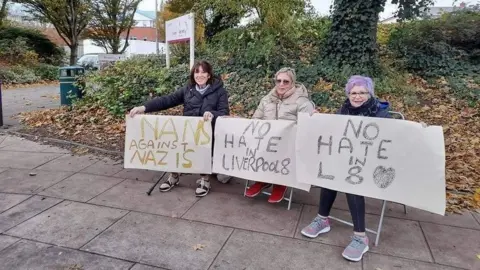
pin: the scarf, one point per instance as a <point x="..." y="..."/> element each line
<point x="287" y="94"/>
<point x="369" y="108"/>
<point x="201" y="90"/>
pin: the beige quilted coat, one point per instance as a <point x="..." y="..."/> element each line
<point x="271" y="107"/>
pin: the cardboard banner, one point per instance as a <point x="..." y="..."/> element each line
<point x="257" y="150"/>
<point x="388" y="159"/>
<point x="168" y="143"/>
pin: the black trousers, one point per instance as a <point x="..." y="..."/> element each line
<point x="356" y="204"/>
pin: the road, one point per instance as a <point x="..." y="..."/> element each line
<point x="20" y="100"/>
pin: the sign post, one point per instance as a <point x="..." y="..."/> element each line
<point x="1" y="109"/>
<point x="178" y="30"/>
<point x="109" y="59"/>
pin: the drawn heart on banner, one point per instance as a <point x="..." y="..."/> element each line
<point x="383" y="177"/>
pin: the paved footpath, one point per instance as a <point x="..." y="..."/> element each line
<point x="28" y="99"/>
<point x="59" y="211"/>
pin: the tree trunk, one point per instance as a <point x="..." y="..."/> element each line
<point x="73" y="54"/>
<point x="352" y="41"/>
<point x="3" y="11"/>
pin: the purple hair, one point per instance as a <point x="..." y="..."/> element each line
<point x="357" y="80"/>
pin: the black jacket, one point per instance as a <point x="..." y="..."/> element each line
<point x="214" y="100"/>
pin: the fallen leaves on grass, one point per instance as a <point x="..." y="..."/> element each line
<point x="462" y="145"/>
<point x="92" y="126"/>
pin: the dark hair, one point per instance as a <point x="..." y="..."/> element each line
<point x="206" y="67"/>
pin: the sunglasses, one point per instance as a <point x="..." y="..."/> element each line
<point x="282" y="81"/>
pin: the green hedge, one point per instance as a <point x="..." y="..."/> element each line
<point x="447" y="46"/>
<point x="47" y="51"/>
<point x="129" y="83"/>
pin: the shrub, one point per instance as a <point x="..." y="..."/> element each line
<point x="46" y="50"/>
<point x="16" y="51"/>
<point x="46" y="72"/>
<point x="439" y="47"/>
<point x="18" y="75"/>
<point x="129" y="83"/>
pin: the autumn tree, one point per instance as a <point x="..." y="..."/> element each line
<point x="210" y="20"/>
<point x="69" y="17"/>
<point x="272" y="13"/>
<point x="110" y="19"/>
<point x="167" y="14"/>
<point x="352" y="40"/>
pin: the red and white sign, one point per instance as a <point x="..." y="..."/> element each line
<point x="180" y="29"/>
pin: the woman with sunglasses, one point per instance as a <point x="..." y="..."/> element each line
<point x="283" y="102"/>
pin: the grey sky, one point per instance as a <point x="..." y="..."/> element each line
<point x="323" y="6"/>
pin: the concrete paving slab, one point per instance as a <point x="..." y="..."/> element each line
<point x="401" y="238"/>
<point x="81" y="187"/>
<point x="246" y="213"/>
<point x="374" y="206"/>
<point x="20" y="180"/>
<point x="3" y="169"/>
<point x="131" y="195"/>
<point x="477" y="217"/>
<point x="9" y="200"/>
<point x="6" y="241"/>
<point x="465" y="220"/>
<point x="250" y="250"/>
<point x="145" y="267"/>
<point x="31" y="255"/>
<point x="9" y="140"/>
<point x="303" y="197"/>
<point x="141" y="175"/>
<point x="453" y="246"/>
<point x="105" y="166"/>
<point x="25" y="210"/>
<point x="32" y="146"/>
<point x="26" y="146"/>
<point x="68" y="224"/>
<point x="19" y="160"/>
<point x="69" y="163"/>
<point x="161" y="241"/>
<point x="376" y="261"/>
<point x="2" y="138"/>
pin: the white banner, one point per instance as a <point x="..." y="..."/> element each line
<point x="388" y="159"/>
<point x="258" y="150"/>
<point x="168" y="143"/>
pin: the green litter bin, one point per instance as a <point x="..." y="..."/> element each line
<point x="67" y="80"/>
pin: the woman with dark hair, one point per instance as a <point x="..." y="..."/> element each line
<point x="203" y="96"/>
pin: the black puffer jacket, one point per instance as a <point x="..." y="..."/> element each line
<point x="214" y="100"/>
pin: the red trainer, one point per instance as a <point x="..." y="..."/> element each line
<point x="278" y="193"/>
<point x="256" y="188"/>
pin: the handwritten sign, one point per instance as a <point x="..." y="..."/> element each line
<point x="258" y="150"/>
<point x="168" y="143"/>
<point x="388" y="159"/>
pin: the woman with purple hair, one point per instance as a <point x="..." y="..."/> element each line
<point x="360" y="101"/>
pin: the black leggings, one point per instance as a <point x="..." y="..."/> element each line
<point x="355" y="203"/>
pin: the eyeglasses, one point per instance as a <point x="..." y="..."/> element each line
<point x="361" y="94"/>
<point x="282" y="81"/>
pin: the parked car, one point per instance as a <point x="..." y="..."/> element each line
<point x="89" y="62"/>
